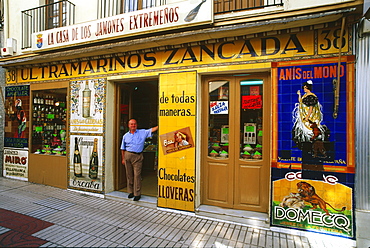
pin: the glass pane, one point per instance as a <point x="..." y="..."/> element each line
<point x="130" y="6"/>
<point x="218" y="133"/>
<point x="49" y="116"/>
<point x="251" y="95"/>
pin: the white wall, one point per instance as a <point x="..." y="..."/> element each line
<point x="13" y="18"/>
<point x="86" y="10"/>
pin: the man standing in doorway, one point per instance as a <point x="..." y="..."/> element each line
<point x="132" y="147"/>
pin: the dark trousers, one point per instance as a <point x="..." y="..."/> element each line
<point x="133" y="164"/>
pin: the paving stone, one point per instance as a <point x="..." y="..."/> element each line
<point x="55" y="203"/>
<point x="84" y="243"/>
<point x="71" y="238"/>
<point x="229" y="232"/>
<point x="149" y="242"/>
<point x="142" y="239"/>
<point x="211" y="240"/>
<point x="42" y="212"/>
<point x="156" y="243"/>
<point x="217" y="229"/>
<point x="77" y="240"/>
<point x="129" y="235"/>
<point x="262" y="240"/>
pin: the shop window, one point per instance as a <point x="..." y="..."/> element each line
<point x="251" y="95"/>
<point x="218" y="119"/>
<point x="49" y="116"/>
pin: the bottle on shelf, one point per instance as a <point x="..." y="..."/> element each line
<point x="94" y="161"/>
<point x="77" y="166"/>
<point x="86" y="94"/>
<point x="41" y="100"/>
<point x="36" y="99"/>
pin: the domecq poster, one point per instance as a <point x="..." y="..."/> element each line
<point x="313" y="178"/>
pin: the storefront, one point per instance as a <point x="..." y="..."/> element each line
<point x="233" y="130"/>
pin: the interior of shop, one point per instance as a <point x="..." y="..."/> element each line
<point x="49" y="116"/>
<point x="139" y="100"/>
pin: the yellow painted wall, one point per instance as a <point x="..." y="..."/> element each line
<point x="177" y="111"/>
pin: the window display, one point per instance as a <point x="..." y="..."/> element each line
<point x="251" y="119"/>
<point x="220" y="116"/>
<point x="218" y="141"/>
<point x="49" y="115"/>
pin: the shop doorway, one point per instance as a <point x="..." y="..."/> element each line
<point x="236" y="142"/>
<point x="139" y="100"/>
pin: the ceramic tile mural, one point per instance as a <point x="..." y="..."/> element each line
<point x="312" y="181"/>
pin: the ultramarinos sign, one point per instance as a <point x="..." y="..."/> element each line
<point x="172" y="16"/>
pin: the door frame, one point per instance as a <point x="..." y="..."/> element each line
<point x="267" y="134"/>
<point x="119" y="169"/>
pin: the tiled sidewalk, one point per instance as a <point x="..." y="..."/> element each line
<point x="69" y="219"/>
<point x="17" y="229"/>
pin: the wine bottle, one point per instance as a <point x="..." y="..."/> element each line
<point x="94" y="161"/>
<point x="36" y="99"/>
<point x="77" y="166"/>
<point x="86" y="94"/>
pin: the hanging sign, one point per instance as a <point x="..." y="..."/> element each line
<point x="219" y="107"/>
<point x="252" y="102"/>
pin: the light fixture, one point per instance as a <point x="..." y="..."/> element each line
<point x="241" y="75"/>
<point x="252" y="82"/>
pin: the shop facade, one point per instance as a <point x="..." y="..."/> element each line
<point x="238" y="128"/>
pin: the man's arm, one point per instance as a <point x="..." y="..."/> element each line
<point x="123" y="156"/>
<point x="154" y="129"/>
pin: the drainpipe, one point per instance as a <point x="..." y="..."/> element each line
<point x="336" y="83"/>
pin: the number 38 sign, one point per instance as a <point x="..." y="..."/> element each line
<point x="329" y="40"/>
<point x="11" y="76"/>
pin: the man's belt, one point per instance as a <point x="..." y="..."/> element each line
<point x="138" y="153"/>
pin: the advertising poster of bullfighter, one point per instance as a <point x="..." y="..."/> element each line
<point x="313" y="178"/>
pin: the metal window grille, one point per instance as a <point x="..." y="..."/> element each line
<point x="226" y="6"/>
<point x="53" y="15"/>
<point x="107" y="8"/>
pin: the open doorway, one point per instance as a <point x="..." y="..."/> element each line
<point x="139" y="100"/>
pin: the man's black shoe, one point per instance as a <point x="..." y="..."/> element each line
<point x="136" y="198"/>
<point x="131" y="195"/>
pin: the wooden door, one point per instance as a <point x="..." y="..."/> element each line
<point x="123" y="99"/>
<point x="236" y="142"/>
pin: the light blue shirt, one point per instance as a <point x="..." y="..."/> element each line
<point x="135" y="142"/>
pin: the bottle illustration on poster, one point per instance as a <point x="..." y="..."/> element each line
<point x="86" y="163"/>
<point x="86" y="98"/>
<point x="94" y="161"/>
<point x="77" y="160"/>
<point x="86" y="106"/>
